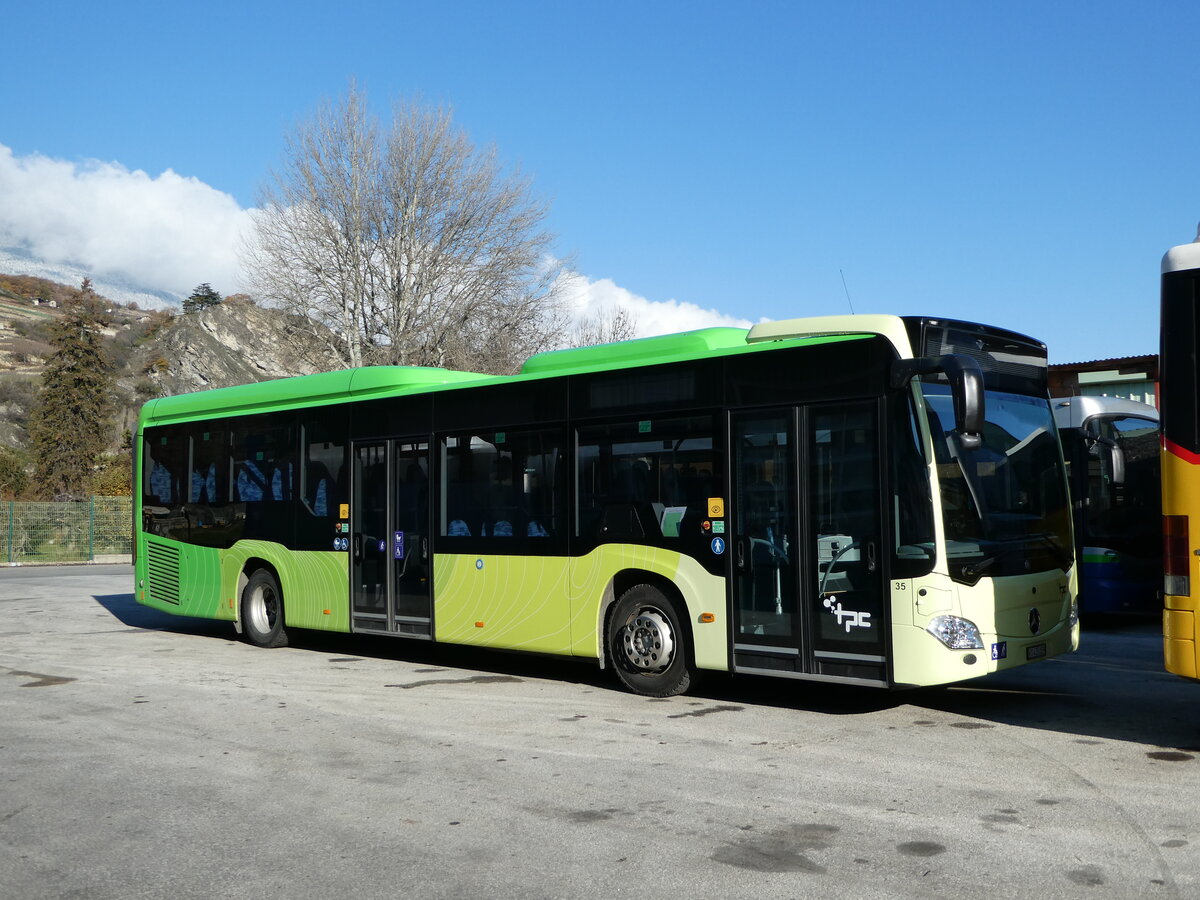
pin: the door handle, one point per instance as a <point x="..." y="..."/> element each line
<point x="742" y="557"/>
<point x="871" y="563"/>
<point x="358" y="547"/>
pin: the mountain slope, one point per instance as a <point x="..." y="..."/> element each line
<point x="155" y="353"/>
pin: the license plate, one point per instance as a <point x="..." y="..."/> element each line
<point x="1037" y="651"/>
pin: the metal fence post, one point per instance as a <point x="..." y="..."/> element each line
<point x="92" y="528"/>
<point x="11" y="516"/>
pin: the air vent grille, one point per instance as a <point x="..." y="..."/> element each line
<point x="162" y="570"/>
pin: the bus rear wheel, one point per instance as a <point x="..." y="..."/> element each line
<point x="648" y="645"/>
<point x="262" y="611"/>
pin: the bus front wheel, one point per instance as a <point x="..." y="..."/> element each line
<point x="647" y="644"/>
<point x="262" y="611"/>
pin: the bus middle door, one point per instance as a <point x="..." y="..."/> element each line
<point x="389" y="559"/>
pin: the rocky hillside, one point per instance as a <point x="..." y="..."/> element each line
<point x="156" y="353"/>
<point x="234" y="342"/>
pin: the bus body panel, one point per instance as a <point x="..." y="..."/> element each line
<point x="1181" y="497"/>
<point x="704" y="594"/>
<point x="1001" y="608"/>
<point x="314" y="583"/>
<point x="563" y="601"/>
<point x="1179" y="400"/>
<point x="506" y="602"/>
<point x="1115" y="583"/>
<point x="180" y="578"/>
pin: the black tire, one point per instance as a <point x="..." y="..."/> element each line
<point x="648" y="644"/>
<point x="262" y="611"/>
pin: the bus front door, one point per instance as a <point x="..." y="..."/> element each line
<point x="389" y="558"/>
<point x="807" y="539"/>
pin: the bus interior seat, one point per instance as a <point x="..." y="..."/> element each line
<point x="627" y="520"/>
<point x="317" y="487"/>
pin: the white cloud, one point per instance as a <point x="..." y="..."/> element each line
<point x="170" y="233"/>
<point x="166" y="233"/>
<point x="588" y="298"/>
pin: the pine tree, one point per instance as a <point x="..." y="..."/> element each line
<point x="70" y="425"/>
<point x="203" y="296"/>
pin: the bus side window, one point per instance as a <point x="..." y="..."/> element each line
<point x="322" y="471"/>
<point x="317" y="484"/>
<point x="648" y="480"/>
<point x="164" y="482"/>
<point x="260" y="457"/>
<point x="504" y="485"/>
<point x="210" y="473"/>
<point x="462" y="487"/>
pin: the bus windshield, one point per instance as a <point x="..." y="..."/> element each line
<point x="1123" y="508"/>
<point x="1004" y="502"/>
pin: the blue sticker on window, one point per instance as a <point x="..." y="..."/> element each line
<point x="398" y="545"/>
<point x="718" y="545"/>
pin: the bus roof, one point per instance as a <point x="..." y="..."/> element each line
<point x="1181" y="258"/>
<point x="303" y="390"/>
<point x="663" y="348"/>
<point x="358" y="384"/>
<point x="1072" y="412"/>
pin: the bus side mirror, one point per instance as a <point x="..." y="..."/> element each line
<point x="966" y="389"/>
<point x="1114" y="456"/>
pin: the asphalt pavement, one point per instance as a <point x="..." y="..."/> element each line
<point x="145" y="755"/>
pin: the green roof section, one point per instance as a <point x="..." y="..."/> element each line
<point x="304" y="390"/>
<point x="640" y="351"/>
<point x="326" y="388"/>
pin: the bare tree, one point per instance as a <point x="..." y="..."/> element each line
<point x="607" y="326"/>
<point x="407" y="244"/>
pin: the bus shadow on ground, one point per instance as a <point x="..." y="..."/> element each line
<point x="126" y="610"/>
<point x="717" y="687"/>
<point x="1113" y="688"/>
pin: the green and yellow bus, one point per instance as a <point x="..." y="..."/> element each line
<point x="872" y="500"/>
<point x="1179" y="409"/>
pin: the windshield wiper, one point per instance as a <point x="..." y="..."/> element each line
<point x="1060" y="553"/>
<point x="976" y="569"/>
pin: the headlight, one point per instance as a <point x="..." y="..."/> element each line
<point x="955" y="633"/>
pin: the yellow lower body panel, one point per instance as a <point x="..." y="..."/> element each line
<point x="1179" y="643"/>
<point x="1181" y="497"/>
<point x="557" y="604"/>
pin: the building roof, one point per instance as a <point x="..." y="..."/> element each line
<point x="1118" y="362"/>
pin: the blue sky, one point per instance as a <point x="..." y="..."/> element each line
<point x="1024" y="164"/>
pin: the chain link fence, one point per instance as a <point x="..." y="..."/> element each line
<point x="96" y="530"/>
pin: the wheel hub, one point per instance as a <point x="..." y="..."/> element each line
<point x="262" y="609"/>
<point x="648" y="641"/>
